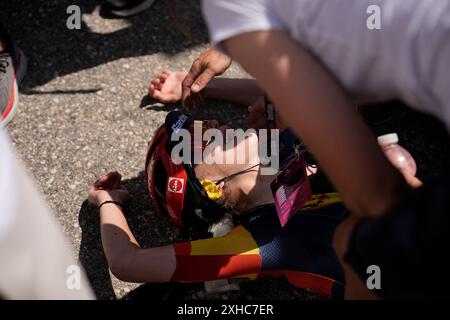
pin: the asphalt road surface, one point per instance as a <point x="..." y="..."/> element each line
<point x="83" y="112"/>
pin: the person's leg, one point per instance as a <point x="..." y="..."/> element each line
<point x="355" y="289"/>
<point x="408" y="244"/>
<point x="167" y="88"/>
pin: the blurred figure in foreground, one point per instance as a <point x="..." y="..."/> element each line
<point x="36" y="262"/>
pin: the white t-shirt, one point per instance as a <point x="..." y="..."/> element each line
<point x="407" y="59"/>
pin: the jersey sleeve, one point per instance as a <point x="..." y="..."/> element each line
<point x="234" y="255"/>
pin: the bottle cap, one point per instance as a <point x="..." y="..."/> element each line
<point x="387" y="139"/>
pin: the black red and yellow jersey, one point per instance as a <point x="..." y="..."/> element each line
<point x="301" y="250"/>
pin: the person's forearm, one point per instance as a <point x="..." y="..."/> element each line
<point x="240" y="91"/>
<point x="316" y="108"/>
<point x="126" y="259"/>
<point x="117" y="238"/>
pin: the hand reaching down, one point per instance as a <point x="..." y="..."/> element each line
<point x="211" y="63"/>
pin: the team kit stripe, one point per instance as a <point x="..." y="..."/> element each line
<point x="238" y="242"/>
<point x="305" y="280"/>
<point x="206" y="268"/>
<point x="235" y="254"/>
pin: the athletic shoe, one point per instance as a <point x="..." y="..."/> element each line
<point x="11" y="73"/>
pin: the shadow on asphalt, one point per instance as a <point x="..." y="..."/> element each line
<point x="91" y="253"/>
<point x="149" y="103"/>
<point x="39" y="28"/>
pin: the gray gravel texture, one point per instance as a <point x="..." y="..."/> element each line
<point x="83" y="113"/>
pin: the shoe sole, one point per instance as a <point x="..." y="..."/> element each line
<point x="18" y="77"/>
<point x="133" y="11"/>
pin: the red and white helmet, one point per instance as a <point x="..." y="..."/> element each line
<point x="174" y="188"/>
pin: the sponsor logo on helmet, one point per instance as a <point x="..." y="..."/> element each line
<point x="175" y="185"/>
<point x="179" y="123"/>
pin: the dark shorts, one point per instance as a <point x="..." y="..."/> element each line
<point x="410" y="245"/>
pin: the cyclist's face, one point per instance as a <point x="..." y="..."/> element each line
<point x="221" y="159"/>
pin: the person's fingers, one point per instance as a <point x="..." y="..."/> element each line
<point x="153" y="81"/>
<point x="116" y="180"/>
<point x="151" y="89"/>
<point x="188" y="80"/>
<point x="412" y="180"/>
<point x="111" y="181"/>
<point x="167" y="72"/>
<point x="415" y="183"/>
<point x="157" y="83"/>
<point x="163" y="77"/>
<point x="202" y="80"/>
<point x="107" y="181"/>
<point x="185" y="92"/>
<point x="101" y="181"/>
